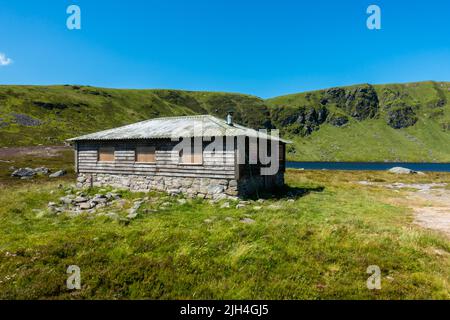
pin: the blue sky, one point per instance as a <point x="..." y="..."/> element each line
<point x="265" y="48"/>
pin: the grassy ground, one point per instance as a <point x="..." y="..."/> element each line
<point x="316" y="247"/>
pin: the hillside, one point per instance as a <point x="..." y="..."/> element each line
<point x="31" y="115"/>
<point x="398" y="122"/>
<point x="407" y="122"/>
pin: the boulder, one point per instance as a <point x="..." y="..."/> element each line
<point x="225" y="205"/>
<point x="247" y="220"/>
<point x="400" y="170"/>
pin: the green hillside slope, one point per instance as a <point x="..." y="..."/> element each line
<point x="31" y="115"/>
<point x="407" y="122"/>
<point x="398" y="122"/>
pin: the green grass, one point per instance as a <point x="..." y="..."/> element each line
<point x="372" y="140"/>
<point x="317" y="247"/>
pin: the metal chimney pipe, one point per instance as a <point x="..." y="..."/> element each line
<point x="230" y="118"/>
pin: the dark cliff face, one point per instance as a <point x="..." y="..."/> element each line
<point x="359" y="102"/>
<point x="398" y="106"/>
<point x="303" y="121"/>
<point x="401" y="117"/>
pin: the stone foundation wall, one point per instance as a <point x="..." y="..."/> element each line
<point x="207" y="188"/>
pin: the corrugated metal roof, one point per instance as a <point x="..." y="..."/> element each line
<point x="176" y="127"/>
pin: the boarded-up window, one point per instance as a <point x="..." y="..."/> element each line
<point x="191" y="157"/>
<point x="106" y="154"/>
<point x="145" y="154"/>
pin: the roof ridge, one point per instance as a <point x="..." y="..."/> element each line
<point x="180" y="117"/>
<point x="163" y="128"/>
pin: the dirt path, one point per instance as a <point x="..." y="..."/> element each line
<point x="429" y="201"/>
<point x="432" y="208"/>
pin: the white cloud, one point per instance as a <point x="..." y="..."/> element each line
<point x="4" y="60"/>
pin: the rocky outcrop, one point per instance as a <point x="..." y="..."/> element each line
<point x="28" y="173"/>
<point x="25" y="120"/>
<point x="401" y="117"/>
<point x="338" y="120"/>
<point x="362" y="103"/>
<point x="305" y="120"/>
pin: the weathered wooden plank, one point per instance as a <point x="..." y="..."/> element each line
<point x="147" y="169"/>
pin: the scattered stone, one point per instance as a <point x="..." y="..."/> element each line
<point x="207" y="221"/>
<point x="240" y="205"/>
<point x="257" y="208"/>
<point x="66" y="200"/>
<point x="81" y="199"/>
<point x="133" y="212"/>
<point x="229" y="219"/>
<point x="247" y="220"/>
<point x="291" y="200"/>
<point x="58" y="174"/>
<point x="113" y="215"/>
<point x="182" y="201"/>
<point x="23" y="172"/>
<point x="40" y="214"/>
<point x="122" y="203"/>
<point x="86" y="205"/>
<point x="42" y="171"/>
<point x="260" y="200"/>
<point x="174" y="192"/>
<point x="225" y="205"/>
